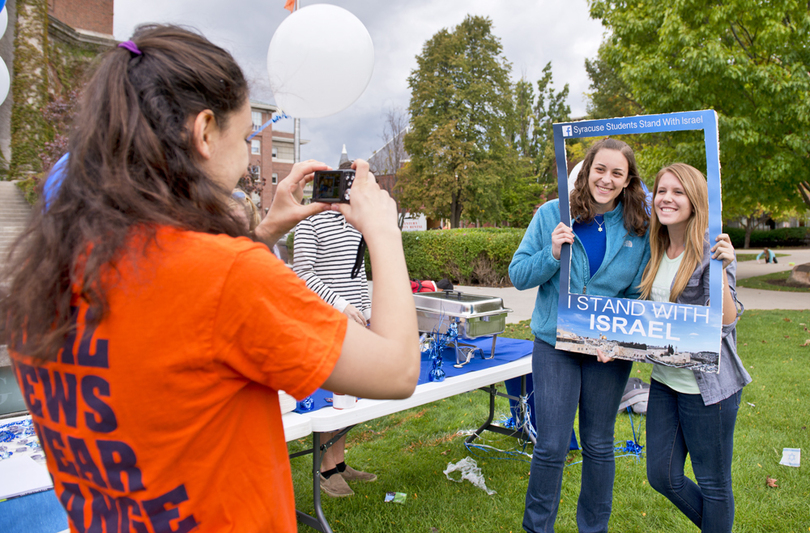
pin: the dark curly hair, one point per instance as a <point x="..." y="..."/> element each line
<point x="632" y="197"/>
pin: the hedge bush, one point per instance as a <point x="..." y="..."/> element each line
<point x="781" y="237"/>
<point x="464" y="256"/>
<point x="29" y="188"/>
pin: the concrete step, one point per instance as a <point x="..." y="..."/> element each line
<point x="14" y="214"/>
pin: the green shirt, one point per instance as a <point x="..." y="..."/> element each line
<point x="678" y="379"/>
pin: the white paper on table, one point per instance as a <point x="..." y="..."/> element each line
<point x="791" y="457"/>
<point x="20" y="475"/>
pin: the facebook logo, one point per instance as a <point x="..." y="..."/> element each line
<point x="567" y="131"/>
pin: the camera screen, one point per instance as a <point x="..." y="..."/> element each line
<point x="326" y="186"/>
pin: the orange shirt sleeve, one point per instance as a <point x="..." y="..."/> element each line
<point x="270" y="328"/>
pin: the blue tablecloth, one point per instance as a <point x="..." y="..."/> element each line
<point x="506" y="351"/>
<point x="35" y="513"/>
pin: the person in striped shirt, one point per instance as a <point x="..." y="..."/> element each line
<point x="326" y="251"/>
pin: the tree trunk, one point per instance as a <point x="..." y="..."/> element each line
<point x="749" y="227"/>
<point x="455" y="212"/>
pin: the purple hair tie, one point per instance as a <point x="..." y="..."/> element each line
<point x="132" y="47"/>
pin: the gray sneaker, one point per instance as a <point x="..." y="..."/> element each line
<point x="336" y="486"/>
<point x="350" y="474"/>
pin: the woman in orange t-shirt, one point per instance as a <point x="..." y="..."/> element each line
<point x="150" y="334"/>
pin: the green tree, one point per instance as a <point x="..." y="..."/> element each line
<point x="746" y="59"/>
<point x="610" y="96"/>
<point x="460" y="102"/>
<point x="531" y="178"/>
<point x="550" y="108"/>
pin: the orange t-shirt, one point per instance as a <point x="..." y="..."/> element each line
<point x="166" y="417"/>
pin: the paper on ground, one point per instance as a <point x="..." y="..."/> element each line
<point x="791" y="457"/>
<point x="20" y="475"/>
<point x="469" y="471"/>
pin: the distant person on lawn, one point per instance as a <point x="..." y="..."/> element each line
<point x="770" y="257"/>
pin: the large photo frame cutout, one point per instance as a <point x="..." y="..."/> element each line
<point x="676" y="335"/>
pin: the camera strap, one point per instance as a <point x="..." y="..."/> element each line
<point x="358" y="260"/>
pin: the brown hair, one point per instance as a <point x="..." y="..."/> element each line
<point x="632" y="197"/>
<point x="696" y="189"/>
<point x="131" y="164"/>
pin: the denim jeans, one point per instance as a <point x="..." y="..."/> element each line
<point x="680" y="424"/>
<point x="564" y="381"/>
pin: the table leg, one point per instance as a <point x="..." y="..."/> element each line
<point x="520" y="432"/>
<point x="318" y="522"/>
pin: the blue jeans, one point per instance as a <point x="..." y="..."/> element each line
<point x="563" y="381"/>
<point x="680" y="424"/>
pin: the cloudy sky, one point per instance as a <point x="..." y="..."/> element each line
<point x="532" y="32"/>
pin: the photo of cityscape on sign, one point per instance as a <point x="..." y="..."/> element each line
<point x="677" y="335"/>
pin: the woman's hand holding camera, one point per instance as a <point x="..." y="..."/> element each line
<point x="287" y="210"/>
<point x="371" y="210"/>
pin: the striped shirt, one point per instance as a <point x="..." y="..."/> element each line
<point x="325" y="249"/>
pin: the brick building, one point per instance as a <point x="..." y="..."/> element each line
<point x="272" y="153"/>
<point x="85" y="16"/>
<point x="56" y="42"/>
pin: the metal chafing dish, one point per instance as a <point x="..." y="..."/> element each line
<point x="475" y="316"/>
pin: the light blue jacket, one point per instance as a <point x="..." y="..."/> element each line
<point x="732" y="375"/>
<point x="626" y="255"/>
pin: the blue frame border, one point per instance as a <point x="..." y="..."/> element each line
<point x="705" y="120"/>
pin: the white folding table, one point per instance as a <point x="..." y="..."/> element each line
<point x="296" y="426"/>
<point x="329" y="420"/>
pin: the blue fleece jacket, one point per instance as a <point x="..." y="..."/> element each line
<point x="534" y="266"/>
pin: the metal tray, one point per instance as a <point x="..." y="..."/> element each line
<point x="477" y="316"/>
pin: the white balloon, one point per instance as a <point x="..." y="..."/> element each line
<point x="5" y="81"/>
<point x="319" y="61"/>
<point x="572" y="177"/>
<point x="3" y="21"/>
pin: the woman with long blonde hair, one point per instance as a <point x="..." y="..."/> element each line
<point x="691" y="412"/>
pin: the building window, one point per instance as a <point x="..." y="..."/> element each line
<point x="256" y="116"/>
<point x="255" y="146"/>
<point x="274" y="179"/>
<point x="275" y="152"/>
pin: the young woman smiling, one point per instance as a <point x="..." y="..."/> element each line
<point x="690" y="412"/>
<point x="609" y="249"/>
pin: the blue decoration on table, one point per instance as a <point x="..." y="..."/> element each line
<point x="305" y="405"/>
<point x="437" y="344"/>
<point x="507" y="350"/>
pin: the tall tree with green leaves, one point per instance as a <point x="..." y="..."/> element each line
<point x="746" y="59"/>
<point x="531" y="178"/>
<point x="549" y="108"/>
<point x="460" y="102"/>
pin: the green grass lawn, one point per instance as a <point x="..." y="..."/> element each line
<point x="774" y="281"/>
<point x="409" y="451"/>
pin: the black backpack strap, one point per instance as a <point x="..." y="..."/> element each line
<point x="358" y="260"/>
